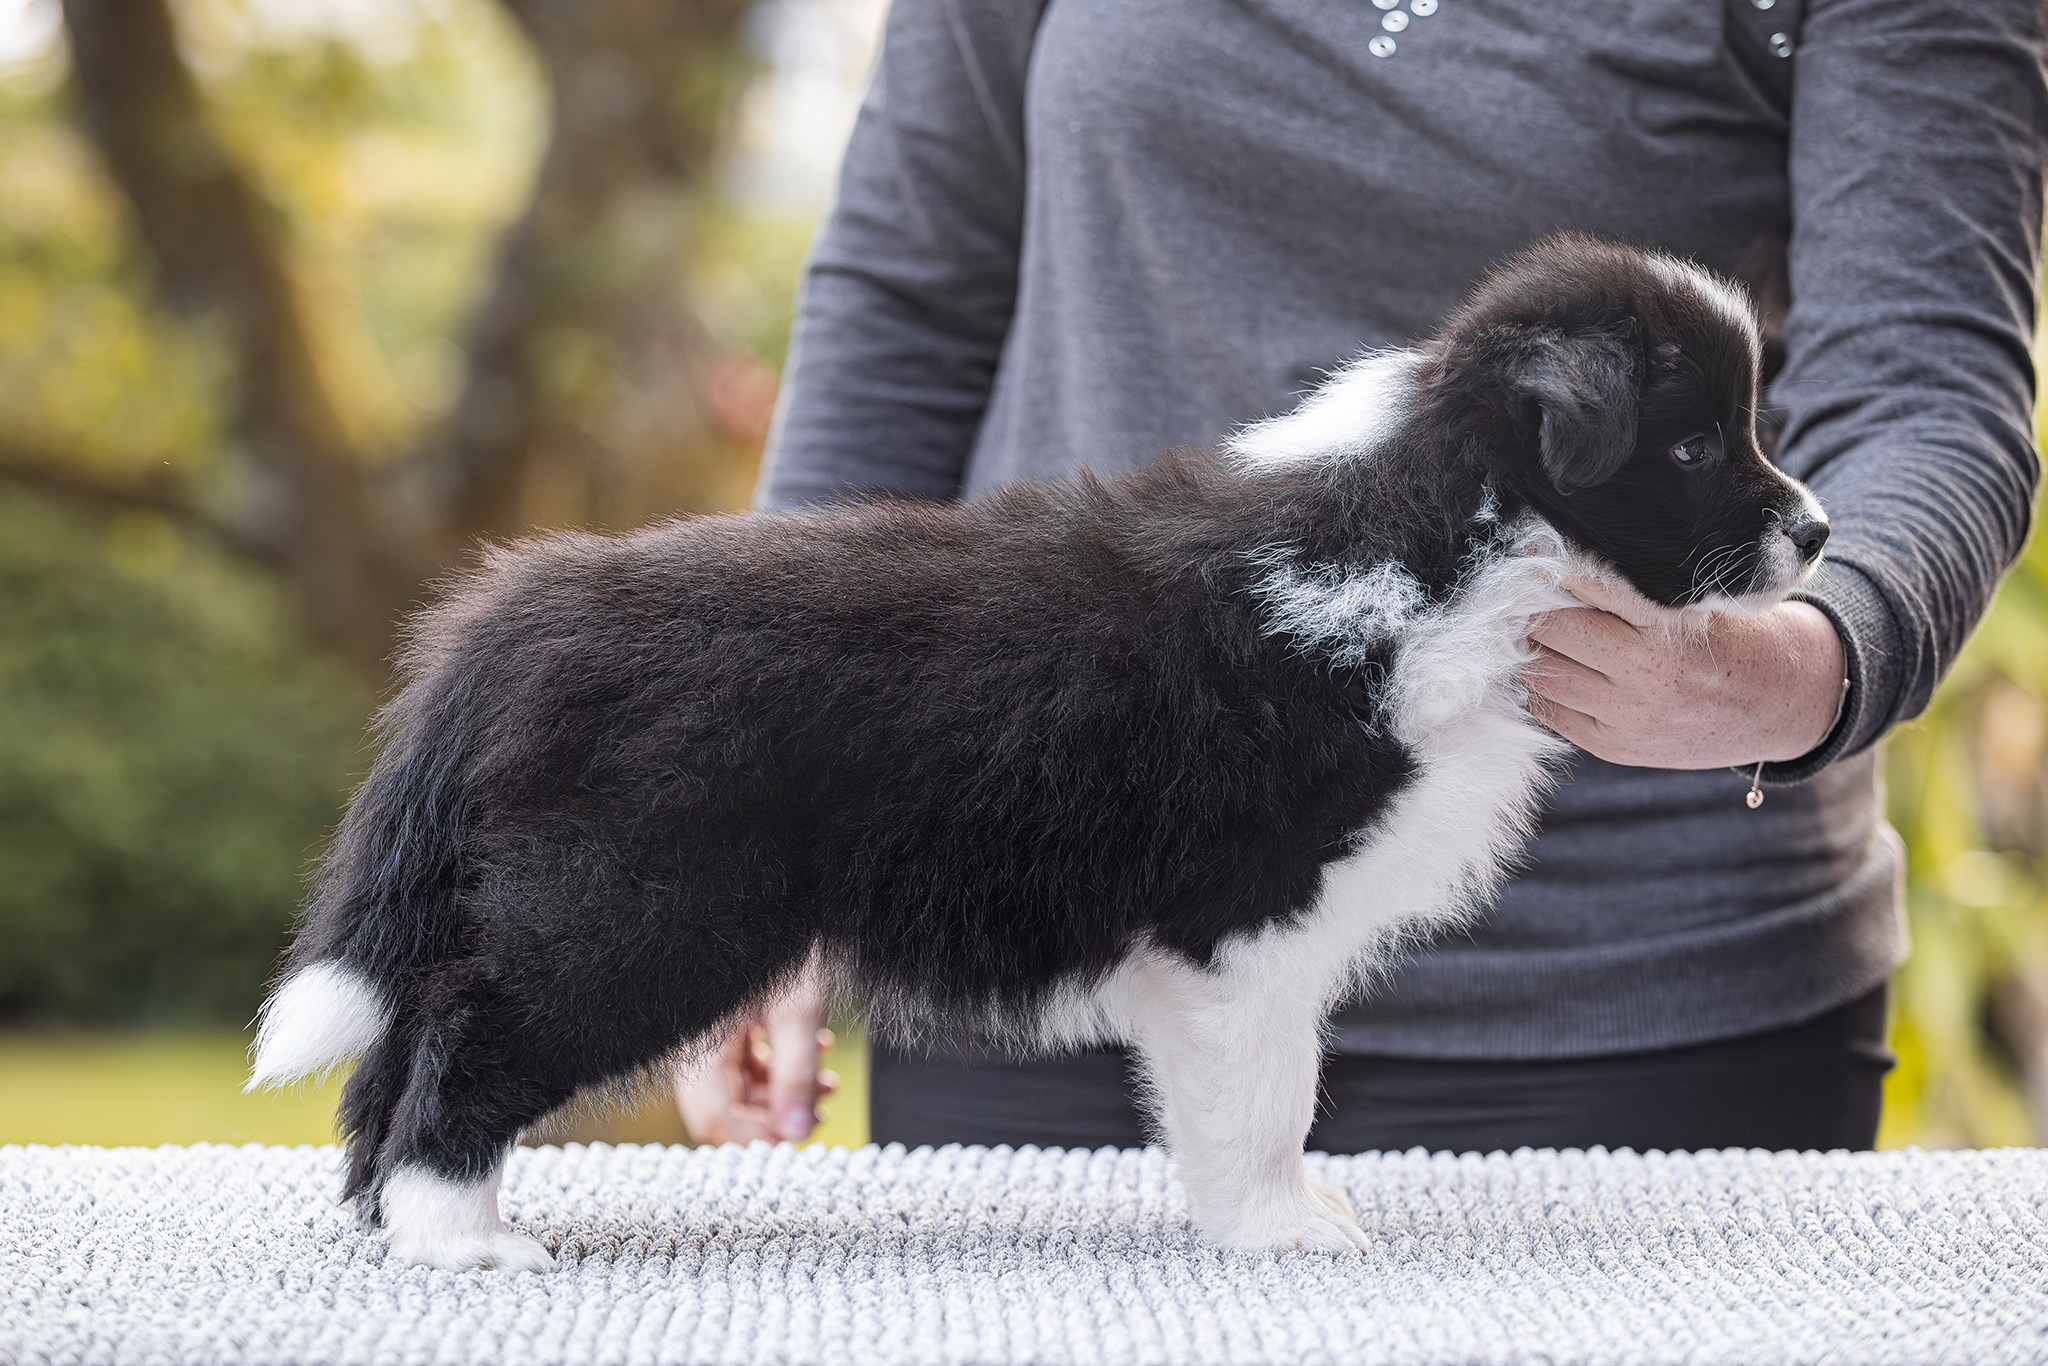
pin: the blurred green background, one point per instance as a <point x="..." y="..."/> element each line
<point x="300" y="298"/>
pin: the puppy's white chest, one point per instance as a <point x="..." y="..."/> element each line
<point x="1454" y="702"/>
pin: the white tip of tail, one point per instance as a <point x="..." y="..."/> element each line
<point x="321" y="1017"/>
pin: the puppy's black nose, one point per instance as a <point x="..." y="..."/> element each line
<point x="1809" y="533"/>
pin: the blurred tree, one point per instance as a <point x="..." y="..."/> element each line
<point x="217" y="253"/>
<point x="585" y="359"/>
<point x="169" y="755"/>
<point x="590" y="387"/>
<point x="236" y="409"/>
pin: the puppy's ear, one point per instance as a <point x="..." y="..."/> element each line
<point x="1588" y="388"/>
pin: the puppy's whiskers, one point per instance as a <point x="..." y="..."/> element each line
<point x="1706" y="575"/>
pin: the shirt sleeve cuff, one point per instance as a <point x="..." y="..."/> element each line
<point x="1871" y="652"/>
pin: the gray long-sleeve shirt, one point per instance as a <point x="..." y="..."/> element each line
<point x="1074" y="234"/>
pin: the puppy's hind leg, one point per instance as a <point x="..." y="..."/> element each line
<point x="1232" y="1056"/>
<point x="453" y="1222"/>
<point x="441" y="1164"/>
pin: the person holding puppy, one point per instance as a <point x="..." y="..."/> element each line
<point x="1071" y="236"/>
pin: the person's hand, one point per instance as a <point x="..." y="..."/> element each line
<point x="763" y="1081"/>
<point x="1625" y="681"/>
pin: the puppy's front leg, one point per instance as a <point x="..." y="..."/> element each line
<point x="1232" y="1058"/>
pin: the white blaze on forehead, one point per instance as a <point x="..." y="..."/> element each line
<point x="1349" y="414"/>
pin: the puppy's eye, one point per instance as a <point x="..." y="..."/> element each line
<point x="1691" y="451"/>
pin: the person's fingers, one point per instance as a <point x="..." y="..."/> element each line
<point x="828" y="1081"/>
<point x="754" y="1063"/>
<point x="794" y="1046"/>
<point x="712" y="1093"/>
<point x="1575" y="726"/>
<point x="764" y="1081"/>
<point x="1599" y="640"/>
<point x="1558" y="678"/>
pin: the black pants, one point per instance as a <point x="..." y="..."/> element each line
<point x="1813" y="1085"/>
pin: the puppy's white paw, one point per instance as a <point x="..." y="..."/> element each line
<point x="503" y="1251"/>
<point x="1326" y="1230"/>
<point x="454" y="1225"/>
<point x="1335" y="1198"/>
<point x="1312" y="1217"/>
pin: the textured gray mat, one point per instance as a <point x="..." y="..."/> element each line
<point x="135" y="1256"/>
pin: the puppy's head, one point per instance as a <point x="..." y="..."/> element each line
<point x="1619" y="393"/>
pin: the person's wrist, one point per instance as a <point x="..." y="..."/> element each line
<point x="1814" y="684"/>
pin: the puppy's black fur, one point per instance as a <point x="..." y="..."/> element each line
<point x="974" y="754"/>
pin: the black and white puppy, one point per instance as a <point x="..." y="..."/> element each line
<point x="1167" y="758"/>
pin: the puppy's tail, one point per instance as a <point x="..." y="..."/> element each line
<point x="320" y="1017"/>
<point x="382" y="906"/>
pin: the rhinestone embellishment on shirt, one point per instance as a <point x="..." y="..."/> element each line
<point x="1395" y="19"/>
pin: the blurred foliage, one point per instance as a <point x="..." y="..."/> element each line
<point x="173" y="748"/>
<point x="88" y="365"/>
<point x="170" y="755"/>
<point x="390" y="173"/>
<point x="1969" y="794"/>
<point x="390" y="178"/>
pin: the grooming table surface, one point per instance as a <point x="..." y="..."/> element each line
<point x="218" y="1254"/>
